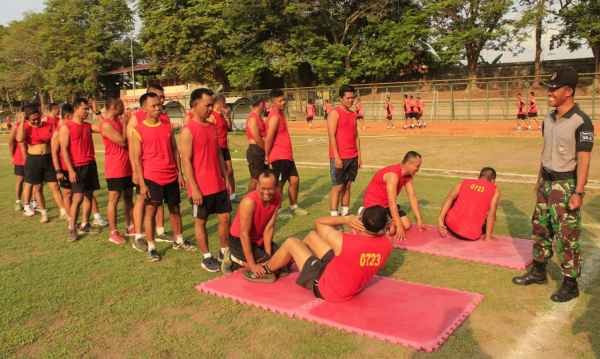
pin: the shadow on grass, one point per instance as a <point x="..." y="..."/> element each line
<point x="518" y="223"/>
<point x="461" y="341"/>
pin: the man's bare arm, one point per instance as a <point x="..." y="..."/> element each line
<point x="272" y="124"/>
<point x="491" y="217"/>
<point x="332" y="123"/>
<point x="414" y="202"/>
<point x="115" y="136"/>
<point x="446" y="207"/>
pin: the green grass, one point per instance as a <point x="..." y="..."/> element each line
<point x="94" y="299"/>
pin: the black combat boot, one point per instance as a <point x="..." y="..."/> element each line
<point x="567" y="291"/>
<point x="535" y="275"/>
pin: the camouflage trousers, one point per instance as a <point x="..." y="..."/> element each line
<point x="553" y="219"/>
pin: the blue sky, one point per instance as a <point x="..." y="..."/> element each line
<point x="14" y="9"/>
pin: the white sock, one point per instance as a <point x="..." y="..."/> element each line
<point x="293" y="206"/>
<point x="97" y="216"/>
<point x="138" y="236"/>
<point x="83" y="224"/>
<point x="160" y="231"/>
<point x="18" y="201"/>
<point x="232" y="196"/>
<point x="206" y="255"/>
<point x="43" y="212"/>
<point x="333" y="213"/>
<point x="151" y="247"/>
<point x="345" y="211"/>
<point x="63" y="212"/>
<point x="224" y="250"/>
<point x="179" y="239"/>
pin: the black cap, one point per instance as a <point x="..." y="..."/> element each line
<point x="564" y="76"/>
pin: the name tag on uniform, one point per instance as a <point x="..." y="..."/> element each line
<point x="586" y="136"/>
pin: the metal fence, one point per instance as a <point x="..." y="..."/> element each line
<point x="482" y="99"/>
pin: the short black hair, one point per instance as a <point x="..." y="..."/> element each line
<point x="53" y="105"/>
<point x="66" y="109"/>
<point x="146" y="96"/>
<point x="112" y="102"/>
<point x="374" y="219"/>
<point x="256" y="101"/>
<point x="198" y="93"/>
<point x="405" y="95"/>
<point x="155" y="86"/>
<point x="488" y="173"/>
<point x="79" y="102"/>
<point x="267" y="172"/>
<point x="410" y="155"/>
<point x="220" y="97"/>
<point x="276" y="93"/>
<point x="346" y="88"/>
<point x="31" y="109"/>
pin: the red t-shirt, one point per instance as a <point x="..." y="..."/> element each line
<point x="376" y="193"/>
<point x="520" y="107"/>
<point x="205" y="158"/>
<point x="345" y="134"/>
<point x="53" y="121"/>
<point x="262" y="128"/>
<point x="81" y="145"/>
<point x="467" y="215"/>
<point x="158" y="160"/>
<point x="116" y="157"/>
<point x="420" y="106"/>
<point x="263" y="212"/>
<point x="533" y="106"/>
<point x="310" y="110"/>
<point x="389" y="108"/>
<point x="222" y="129"/>
<point x="35" y="135"/>
<point x="282" y="143"/>
<point x="18" y="159"/>
<point x="349" y="272"/>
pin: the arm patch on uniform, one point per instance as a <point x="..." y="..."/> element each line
<point x="586" y="136"/>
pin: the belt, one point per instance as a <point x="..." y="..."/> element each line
<point x="549" y="175"/>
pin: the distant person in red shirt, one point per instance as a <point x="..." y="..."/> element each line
<point x="117" y="168"/>
<point x="334" y="265"/>
<point x="532" y="112"/>
<point x="207" y="180"/>
<point x="279" y="153"/>
<point x="420" y="105"/>
<point x="311" y="111"/>
<point x="77" y="149"/>
<point x="406" y="108"/>
<point x="256" y="131"/>
<point x="252" y="231"/>
<point x="327" y="107"/>
<point x="344" y="151"/>
<point x="360" y="112"/>
<point x="17" y="154"/>
<point x="53" y="115"/>
<point x="413" y="112"/>
<point x="385" y="186"/>
<point x="222" y="123"/>
<point x="521" y="113"/>
<point x="389" y="112"/>
<point x="155" y="159"/>
<point x="469" y="211"/>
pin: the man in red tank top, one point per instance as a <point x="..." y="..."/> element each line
<point x="311" y="111"/>
<point x="385" y="186"/>
<point x="251" y="233"/>
<point x="17" y="154"/>
<point x="344" y="151"/>
<point x="279" y="154"/>
<point x="77" y="149"/>
<point x="117" y="168"/>
<point x="255" y="134"/>
<point x="532" y="111"/>
<point x="206" y="175"/>
<point x="388" y="107"/>
<point x="469" y="211"/>
<point x="521" y="113"/>
<point x="155" y="159"/>
<point x="222" y="123"/>
<point x="62" y="174"/>
<point x="334" y="265"/>
<point x="52" y="117"/>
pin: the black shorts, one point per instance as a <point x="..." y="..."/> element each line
<point x="87" y="178"/>
<point x="284" y="169"/>
<point x="119" y="184"/>
<point x="38" y="169"/>
<point x="388" y="117"/>
<point x="312" y="270"/>
<point x="521" y="116"/>
<point x="532" y="114"/>
<point x="215" y="203"/>
<point x="64" y="183"/>
<point x="309" y="118"/>
<point x="258" y="252"/>
<point x="226" y="154"/>
<point x="19" y="170"/>
<point x="344" y="175"/>
<point x="412" y="115"/>
<point x="256" y="160"/>
<point x="159" y="194"/>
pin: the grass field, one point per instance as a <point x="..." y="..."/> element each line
<point x="94" y="299"/>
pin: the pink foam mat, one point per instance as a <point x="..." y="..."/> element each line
<point x="502" y="251"/>
<point x="415" y="315"/>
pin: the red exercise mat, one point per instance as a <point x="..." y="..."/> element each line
<point x="503" y="251"/>
<point x="419" y="316"/>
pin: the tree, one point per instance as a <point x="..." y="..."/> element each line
<point x="580" y="20"/>
<point x="464" y="28"/>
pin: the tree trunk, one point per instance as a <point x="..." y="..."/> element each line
<point x="596" y="52"/>
<point x="472" y="65"/>
<point x="538" y="42"/>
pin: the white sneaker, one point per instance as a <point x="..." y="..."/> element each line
<point x="299" y="211"/>
<point x="28" y="212"/>
<point x="44" y="216"/>
<point x="99" y="222"/>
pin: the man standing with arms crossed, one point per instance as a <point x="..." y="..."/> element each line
<point x="208" y="185"/>
<point x="221" y="122"/>
<point x="344" y="151"/>
<point x="255" y="134"/>
<point x="566" y="154"/>
<point x="278" y="151"/>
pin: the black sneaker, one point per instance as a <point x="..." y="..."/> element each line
<point x="85" y="229"/>
<point x="567" y="291"/>
<point x="163" y="238"/>
<point x="139" y="244"/>
<point x="185" y="245"/>
<point x="210" y="264"/>
<point x="153" y="256"/>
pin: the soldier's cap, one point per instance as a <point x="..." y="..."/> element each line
<point x="564" y="76"/>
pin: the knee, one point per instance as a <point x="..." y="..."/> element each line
<point x="294" y="180"/>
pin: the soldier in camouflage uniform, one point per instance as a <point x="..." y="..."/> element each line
<point x="568" y="141"/>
